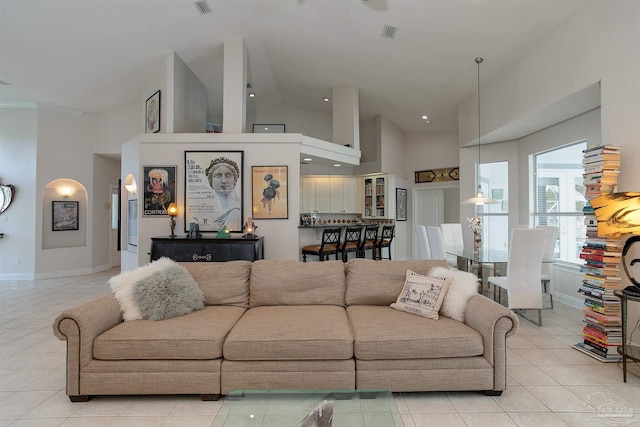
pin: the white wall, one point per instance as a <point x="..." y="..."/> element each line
<point x="18" y="148"/>
<point x="281" y="235"/>
<point x="190" y="99"/>
<point x="296" y="120"/>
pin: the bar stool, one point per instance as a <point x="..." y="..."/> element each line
<point x="385" y="240"/>
<point x="351" y="242"/>
<point x="328" y="246"/>
<point x="368" y="242"/>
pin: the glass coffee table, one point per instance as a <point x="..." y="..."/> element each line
<point x="371" y="408"/>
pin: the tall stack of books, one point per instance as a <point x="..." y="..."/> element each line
<point x="602" y="257"/>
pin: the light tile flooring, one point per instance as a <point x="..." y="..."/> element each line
<point x="549" y="383"/>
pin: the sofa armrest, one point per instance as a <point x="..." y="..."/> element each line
<point x="495" y="323"/>
<point x="79" y="326"/>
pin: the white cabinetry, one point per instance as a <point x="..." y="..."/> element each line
<point x="378" y="200"/>
<point x="329" y="195"/>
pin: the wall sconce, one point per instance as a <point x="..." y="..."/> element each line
<point x="130" y="184"/>
<point x="172" y="210"/>
<point x="66" y="191"/>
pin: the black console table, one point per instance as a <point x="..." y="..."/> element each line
<point x="207" y="249"/>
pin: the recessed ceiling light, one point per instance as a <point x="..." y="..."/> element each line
<point x="326" y="99"/>
<point x="252" y="95"/>
<point x="337" y="165"/>
<point x="266" y="128"/>
<point x="425" y="118"/>
<point x="307" y="159"/>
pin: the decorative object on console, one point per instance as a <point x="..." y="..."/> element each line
<point x="6" y="196"/>
<point x="269" y="195"/>
<point x="160" y="290"/>
<point x="214" y="189"/>
<point x="479" y="199"/>
<point x="249" y="229"/>
<point x="172" y="210"/>
<point x="152" y="114"/>
<point x="194" y="230"/>
<point x="64" y="215"/>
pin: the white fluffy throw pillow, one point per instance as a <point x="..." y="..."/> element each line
<point x="422" y="295"/>
<point x="462" y="287"/>
<point x="156" y="291"/>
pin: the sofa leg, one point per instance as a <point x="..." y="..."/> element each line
<point x="209" y="397"/>
<point x="81" y="398"/>
<point x="493" y="392"/>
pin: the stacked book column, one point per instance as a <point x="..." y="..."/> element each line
<point x="602" y="333"/>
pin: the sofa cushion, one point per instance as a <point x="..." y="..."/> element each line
<point x="275" y="282"/>
<point x="291" y="333"/>
<point x="384" y="333"/>
<point x="422" y="295"/>
<point x="198" y="335"/>
<point x="372" y="282"/>
<point x="463" y="286"/>
<point x="222" y="283"/>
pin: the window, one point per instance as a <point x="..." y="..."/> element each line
<point x="495" y="216"/>
<point x="559" y="197"/>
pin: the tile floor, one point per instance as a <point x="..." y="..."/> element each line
<point x="549" y="383"/>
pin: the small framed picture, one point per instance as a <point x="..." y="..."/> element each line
<point x="152" y="114"/>
<point x="64" y="216"/>
<point x="159" y="189"/>
<point x="269" y="194"/>
<point x="132" y="222"/>
<point x="401" y="204"/>
<point x="268" y="128"/>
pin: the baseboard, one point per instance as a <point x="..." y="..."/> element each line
<point x="16" y="276"/>
<point x="74" y="272"/>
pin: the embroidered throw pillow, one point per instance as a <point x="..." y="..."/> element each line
<point x="422" y="295"/>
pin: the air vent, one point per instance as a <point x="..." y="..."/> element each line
<point x="202" y="6"/>
<point x="389" y="32"/>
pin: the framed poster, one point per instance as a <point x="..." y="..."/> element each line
<point x="401" y="204"/>
<point x="132" y="222"/>
<point x="213" y="190"/>
<point x="269" y="192"/>
<point x="64" y="215"/>
<point x="152" y="114"/>
<point x="159" y="189"/>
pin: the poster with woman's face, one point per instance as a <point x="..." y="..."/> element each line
<point x="213" y="190"/>
<point x="269" y="192"/>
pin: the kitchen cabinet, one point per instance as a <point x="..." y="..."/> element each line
<point x="378" y="201"/>
<point x="329" y="195"/>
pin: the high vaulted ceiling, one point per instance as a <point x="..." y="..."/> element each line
<point x="90" y="55"/>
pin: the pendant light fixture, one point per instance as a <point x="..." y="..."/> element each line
<point x="479" y="199"/>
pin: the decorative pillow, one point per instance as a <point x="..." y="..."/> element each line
<point x="422" y="295"/>
<point x="463" y="286"/>
<point x="156" y="291"/>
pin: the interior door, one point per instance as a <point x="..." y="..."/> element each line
<point x="428" y="209"/>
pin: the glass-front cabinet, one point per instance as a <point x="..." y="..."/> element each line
<point x="378" y="202"/>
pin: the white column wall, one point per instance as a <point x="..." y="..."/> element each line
<point x="234" y="98"/>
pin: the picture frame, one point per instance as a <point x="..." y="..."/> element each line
<point x="64" y="215"/>
<point x="401" y="204"/>
<point x="270" y="192"/>
<point x="159" y="184"/>
<point x="268" y="128"/>
<point x="132" y="222"/>
<point x="152" y="114"/>
<point x="214" y="202"/>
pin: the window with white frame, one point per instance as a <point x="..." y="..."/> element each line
<point x="494" y="178"/>
<point x="559" y="197"/>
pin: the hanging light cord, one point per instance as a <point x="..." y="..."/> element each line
<point x="478" y="61"/>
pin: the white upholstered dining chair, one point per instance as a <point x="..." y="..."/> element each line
<point x="547" y="255"/>
<point x="522" y="282"/>
<point x="422" y="243"/>
<point x="436" y="244"/>
<point x="453" y="240"/>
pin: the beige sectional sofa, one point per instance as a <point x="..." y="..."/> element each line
<point x="286" y="325"/>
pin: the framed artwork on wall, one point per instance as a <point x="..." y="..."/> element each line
<point x="268" y="128"/>
<point x="213" y="190"/>
<point x="159" y="189"/>
<point x="152" y="114"/>
<point x="269" y="192"/>
<point x="64" y="215"/>
<point x="401" y="204"/>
